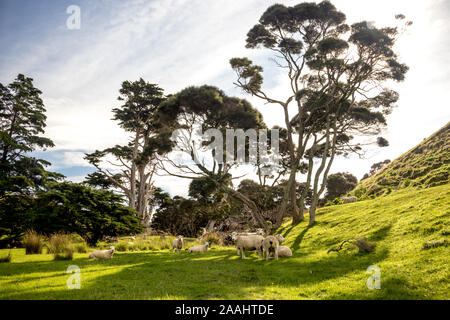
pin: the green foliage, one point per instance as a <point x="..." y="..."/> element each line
<point x="71" y="207"/>
<point x="6" y="259"/>
<point x="33" y="242"/>
<point x="80" y="247"/>
<point x="22" y="118"/>
<point x="339" y="184"/>
<point x="60" y="245"/>
<point x="213" y="238"/>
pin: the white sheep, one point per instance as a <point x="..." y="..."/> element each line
<point x="177" y="244"/>
<point x="284" y="251"/>
<point x="280" y="238"/>
<point x="103" y="254"/>
<point x="234" y="234"/>
<point x="252" y="242"/>
<point x="270" y="245"/>
<point x="200" y="248"/>
<point x="349" y="199"/>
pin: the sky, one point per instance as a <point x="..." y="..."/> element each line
<point x="178" y="43"/>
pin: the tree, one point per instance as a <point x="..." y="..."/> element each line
<point x="73" y="207"/>
<point x="335" y="74"/>
<point x="22" y="123"/>
<point x="67" y="207"/>
<point x="202" y="108"/>
<point x="339" y="184"/>
<point x="135" y="163"/>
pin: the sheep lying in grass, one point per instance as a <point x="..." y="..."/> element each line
<point x="252" y="242"/>
<point x="284" y="251"/>
<point x="102" y="254"/>
<point x="177" y="244"/>
<point x="349" y="199"/>
<point x="200" y="248"/>
<point x="270" y="245"/>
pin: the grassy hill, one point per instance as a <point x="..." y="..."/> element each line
<point x="400" y="224"/>
<point x="426" y="165"/>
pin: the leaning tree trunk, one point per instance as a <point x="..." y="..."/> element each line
<point x="256" y="213"/>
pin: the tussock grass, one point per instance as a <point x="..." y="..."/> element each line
<point x="6" y="259"/>
<point x="33" y="242"/>
<point x="60" y="245"/>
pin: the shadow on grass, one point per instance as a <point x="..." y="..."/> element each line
<point x="216" y="274"/>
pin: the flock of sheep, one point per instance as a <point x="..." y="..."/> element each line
<point x="267" y="247"/>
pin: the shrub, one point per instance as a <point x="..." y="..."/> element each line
<point x="81" y="247"/>
<point x="6" y="259"/>
<point x="361" y="191"/>
<point x="76" y="238"/>
<point x="60" y="245"/>
<point x="213" y="238"/>
<point x="337" y="201"/>
<point x="121" y="246"/>
<point x="33" y="242"/>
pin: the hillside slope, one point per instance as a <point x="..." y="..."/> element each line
<point x="398" y="224"/>
<point x="426" y="165"/>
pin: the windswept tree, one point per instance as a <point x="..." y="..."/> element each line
<point x="22" y="124"/>
<point x="339" y="184"/>
<point x="130" y="168"/>
<point x="336" y="75"/>
<point x="192" y="112"/>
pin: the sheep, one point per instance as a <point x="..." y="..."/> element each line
<point x="349" y="199"/>
<point x="259" y="232"/>
<point x="252" y="242"/>
<point x="280" y="238"/>
<point x="200" y="248"/>
<point x="270" y="244"/>
<point x="177" y="244"/>
<point x="284" y="251"/>
<point x="104" y="254"/>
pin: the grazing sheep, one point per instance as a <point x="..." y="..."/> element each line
<point x="252" y="242"/>
<point x="269" y="245"/>
<point x="200" y="248"/>
<point x="103" y="254"/>
<point x="284" y="251"/>
<point x="177" y="244"/>
<point x="349" y="199"/>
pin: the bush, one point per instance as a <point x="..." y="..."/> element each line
<point x="6" y="259"/>
<point x="121" y="246"/>
<point x="81" y="247"/>
<point x="213" y="238"/>
<point x="60" y="245"/>
<point x="337" y="201"/>
<point x="33" y="242"/>
<point x="76" y="238"/>
<point x="361" y="191"/>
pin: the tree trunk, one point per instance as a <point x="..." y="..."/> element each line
<point x="256" y="213"/>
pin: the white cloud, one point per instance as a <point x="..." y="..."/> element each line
<point x="182" y="43"/>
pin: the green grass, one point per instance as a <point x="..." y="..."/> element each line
<point x="399" y="224"/>
<point x="426" y="165"/>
